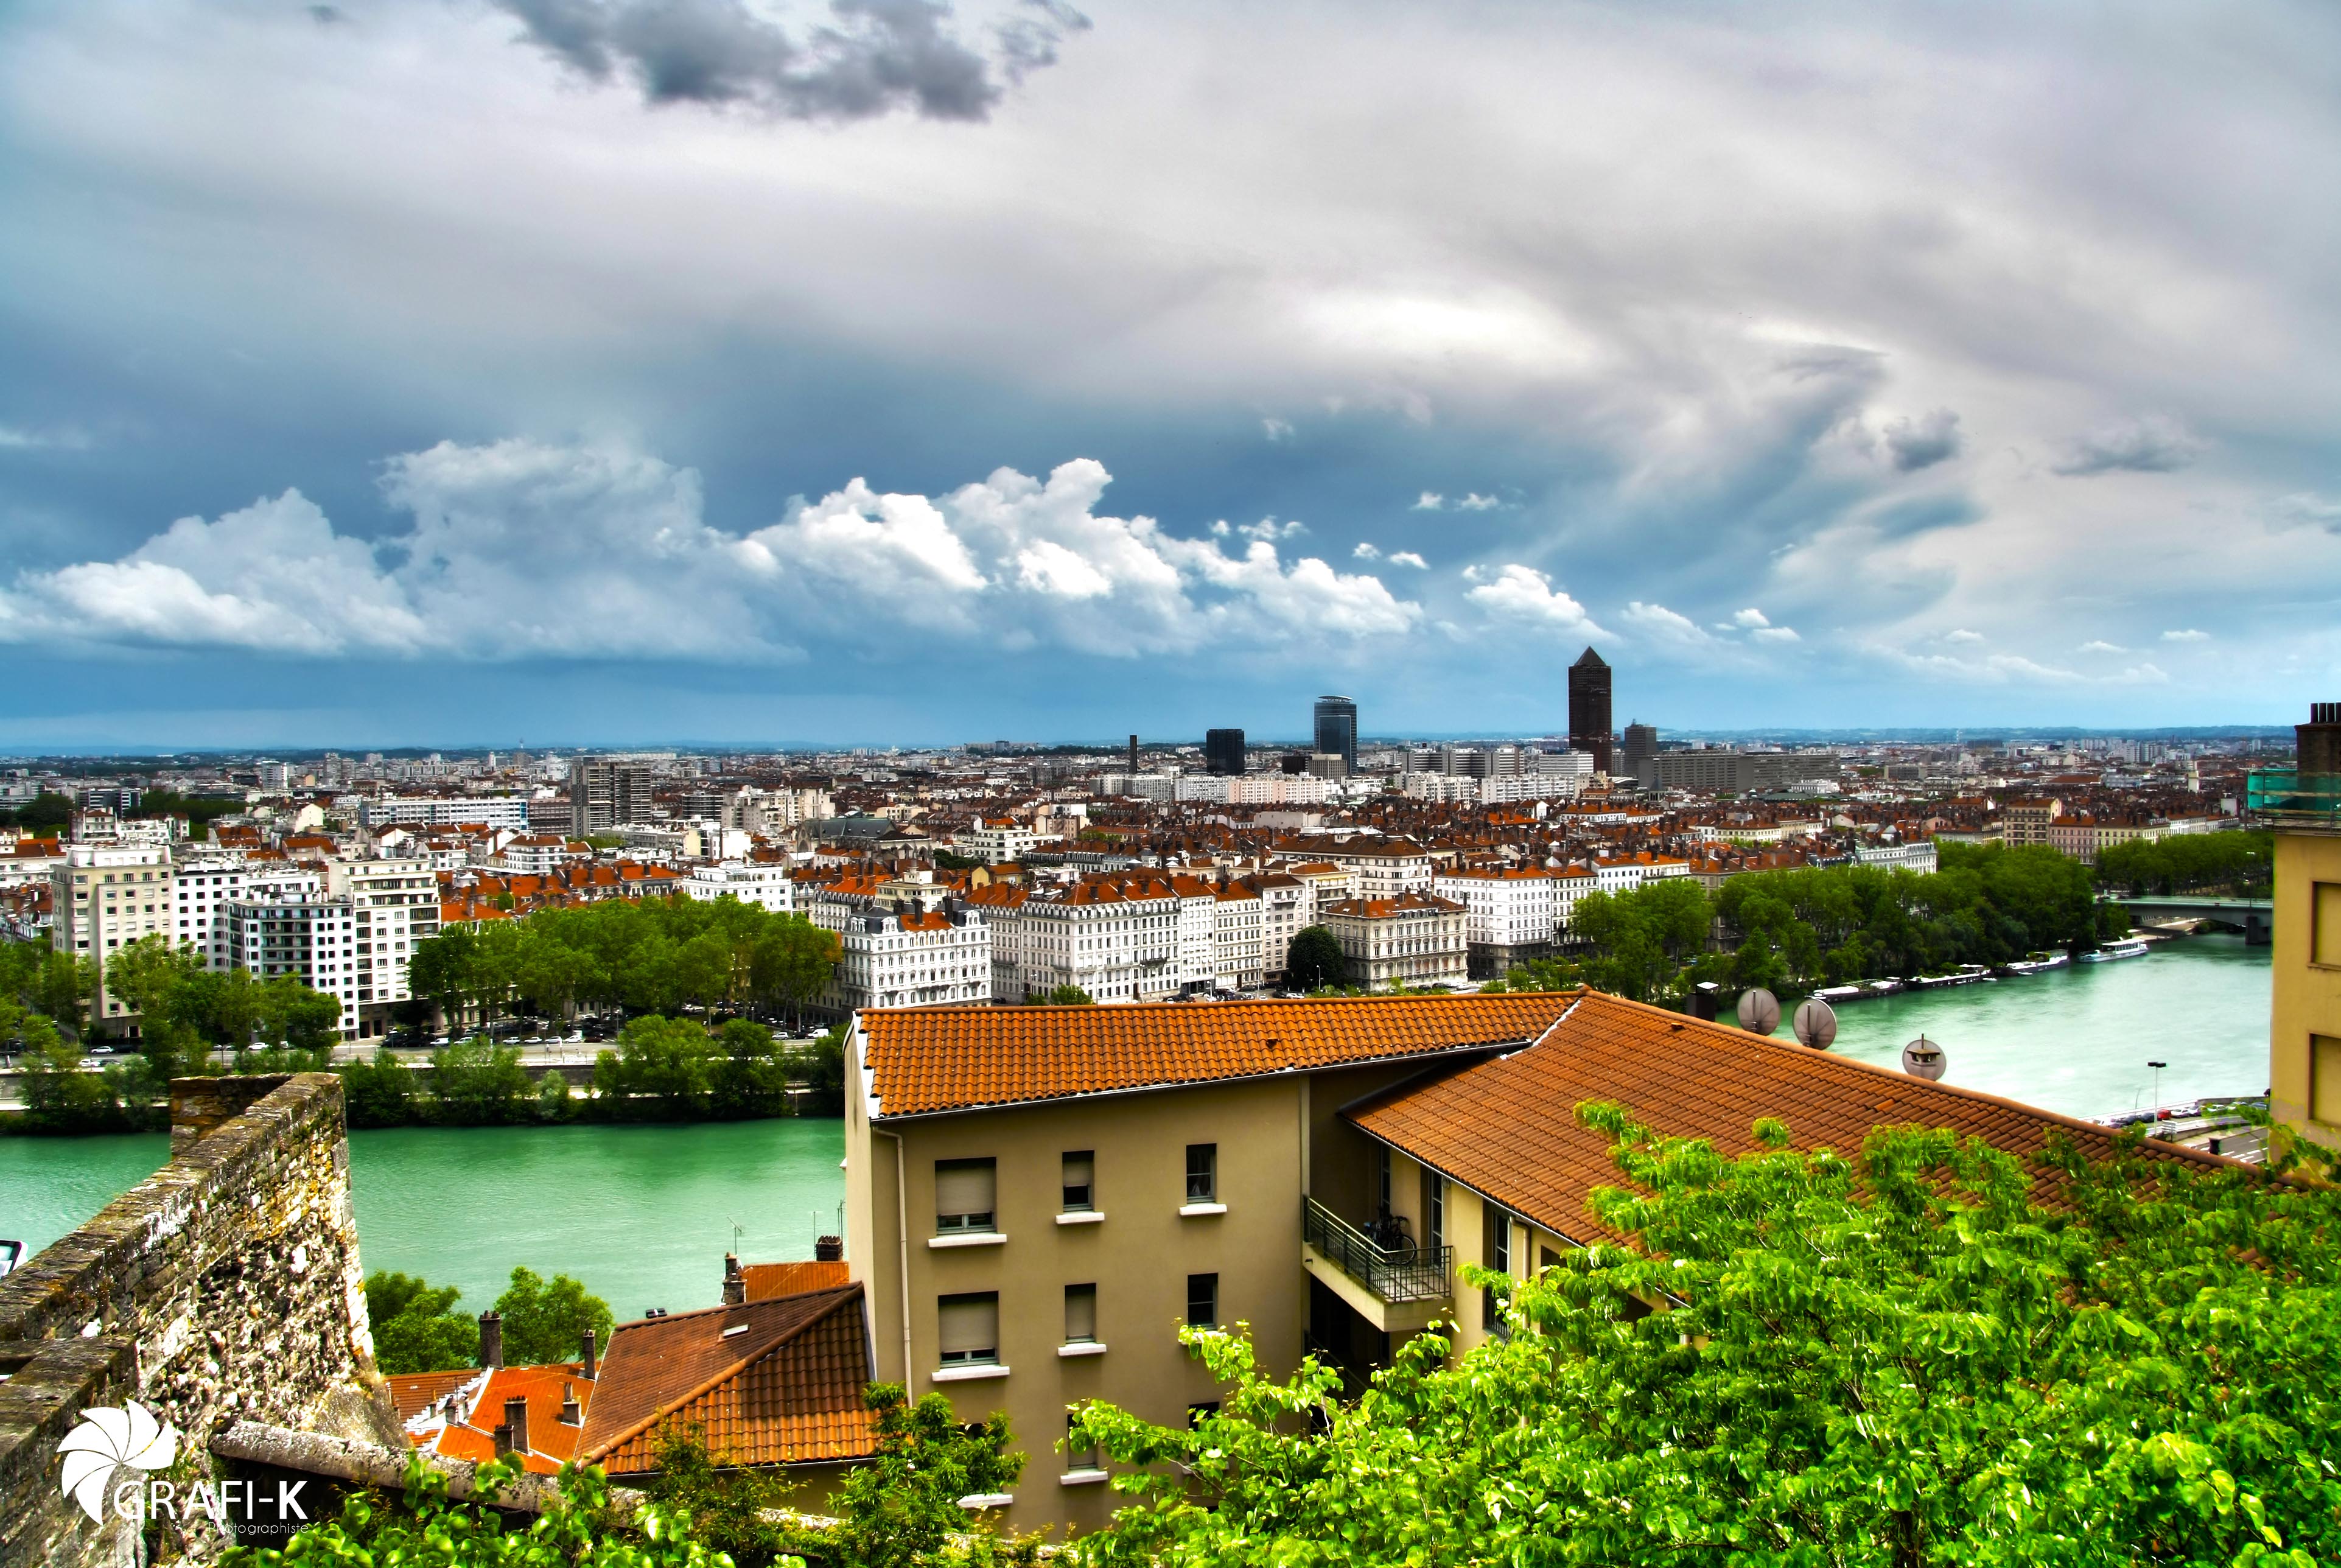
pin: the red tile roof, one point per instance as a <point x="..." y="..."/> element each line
<point x="480" y="1410"/>
<point x="763" y="1282"/>
<point x="931" y="1060"/>
<point x="776" y="1382"/>
<point x="1508" y="1129"/>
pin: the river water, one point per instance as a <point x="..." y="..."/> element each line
<point x="643" y="1215"/>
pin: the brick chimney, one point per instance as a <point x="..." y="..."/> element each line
<point x="829" y="1249"/>
<point x="587" y="1343"/>
<point x="516" y="1423"/>
<point x="492" y="1338"/>
<point x="735" y="1289"/>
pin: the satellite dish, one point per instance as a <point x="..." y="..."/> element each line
<point x="1760" y="1011"/>
<point x="1922" y="1058"/>
<point x="1815" y="1024"/>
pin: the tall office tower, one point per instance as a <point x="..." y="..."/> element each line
<point x="1337" y="730"/>
<point x="603" y="794"/>
<point x="1133" y="754"/>
<point x="1223" y="753"/>
<point x="1641" y="745"/>
<point x="1589" y="708"/>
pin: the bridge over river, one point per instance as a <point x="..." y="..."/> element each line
<point x="2254" y="917"/>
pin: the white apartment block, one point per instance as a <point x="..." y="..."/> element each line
<point x="1509" y="914"/>
<point x="308" y="937"/>
<point x="1384" y="867"/>
<point x="205" y="888"/>
<point x="1116" y="946"/>
<point x="1288" y="907"/>
<point x="998" y="842"/>
<point x="767" y="886"/>
<point x="1238" y="955"/>
<point x="1569" y="884"/>
<point x="105" y="897"/>
<point x="1414" y="940"/>
<point x="538" y="854"/>
<point x="395" y="904"/>
<point x="908" y="959"/>
<point x="505" y="811"/>
<point x="1628" y="872"/>
<point x="1915" y="857"/>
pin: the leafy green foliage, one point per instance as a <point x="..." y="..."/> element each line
<point x="2238" y="862"/>
<point x="1314" y="960"/>
<point x="423" y="1528"/>
<point x="731" y="1510"/>
<point x="415" y="1326"/>
<point x="45" y="814"/>
<point x="477" y="1082"/>
<point x="1068" y="995"/>
<point x="545" y="1320"/>
<point x="900" y="1509"/>
<point x="1645" y="939"/>
<point x="1896" y="1358"/>
<point x="643" y="955"/>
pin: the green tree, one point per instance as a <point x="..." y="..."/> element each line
<point x="1908" y="1357"/>
<point x="663" y="1067"/>
<point x="822" y="1063"/>
<point x="899" y="1509"/>
<point x="416" y="1327"/>
<point x="750" y="1077"/>
<point x="476" y="1083"/>
<point x="1067" y="996"/>
<point x="739" y="1512"/>
<point x="790" y="961"/>
<point x="380" y="1093"/>
<point x="1314" y="960"/>
<point x="545" y="1321"/>
<point x="44" y="816"/>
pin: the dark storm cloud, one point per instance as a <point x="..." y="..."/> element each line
<point x="875" y="56"/>
<point x="2150" y="446"/>
<point x="1921" y="442"/>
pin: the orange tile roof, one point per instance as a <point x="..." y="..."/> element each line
<point x="482" y="1394"/>
<point x="763" y="1282"/>
<point x="926" y="1060"/>
<point x="1508" y="1129"/>
<point x="414" y="1392"/>
<point x="776" y="1382"/>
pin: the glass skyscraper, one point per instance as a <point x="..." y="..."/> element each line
<point x="1337" y="730"/>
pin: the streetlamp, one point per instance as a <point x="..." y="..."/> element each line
<point x="2157" y="1067"/>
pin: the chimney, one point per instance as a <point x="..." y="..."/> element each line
<point x="515" y="1424"/>
<point x="492" y="1338"/>
<point x="572" y="1413"/>
<point x="735" y="1289"/>
<point x="502" y="1436"/>
<point x="829" y="1250"/>
<point x="2317" y="745"/>
<point x="590" y="1362"/>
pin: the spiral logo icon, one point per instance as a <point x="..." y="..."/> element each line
<point x="107" y="1441"/>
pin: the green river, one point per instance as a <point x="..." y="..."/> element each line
<point x="643" y="1215"/>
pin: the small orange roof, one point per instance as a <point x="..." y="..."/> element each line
<point x="931" y="1061"/>
<point x="763" y="1282"/>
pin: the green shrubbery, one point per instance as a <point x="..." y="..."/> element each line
<point x="2238" y="862"/>
<point x="416" y="1327"/>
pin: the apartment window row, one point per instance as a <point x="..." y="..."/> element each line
<point x="967" y="1192"/>
<point x="967" y="1324"/>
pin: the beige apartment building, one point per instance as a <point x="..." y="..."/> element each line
<point x="1038" y="1198"/>
<point x="2303" y="806"/>
<point x="1414" y="939"/>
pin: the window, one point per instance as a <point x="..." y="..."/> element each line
<point x="1434" y="1209"/>
<point x="1497" y="1249"/>
<point x="1080" y="1168"/>
<point x="1203" y="1301"/>
<point x="1203" y="1172"/>
<point x="1080" y="1315"/>
<point x="967" y="1329"/>
<point x="964" y="1195"/>
<point x="1080" y="1454"/>
<point x="2325" y="925"/>
<point x="2324" y="1079"/>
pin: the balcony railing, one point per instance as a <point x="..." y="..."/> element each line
<point x="2287" y="797"/>
<point x="1408" y="1274"/>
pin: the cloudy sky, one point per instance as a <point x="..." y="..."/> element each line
<point x="466" y="371"/>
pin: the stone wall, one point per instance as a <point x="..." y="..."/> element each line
<point x="225" y="1287"/>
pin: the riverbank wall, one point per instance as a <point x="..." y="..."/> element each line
<point x="224" y="1287"/>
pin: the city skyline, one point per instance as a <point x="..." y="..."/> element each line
<point x="384" y="374"/>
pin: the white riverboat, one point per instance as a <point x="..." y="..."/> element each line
<point x="2130" y="948"/>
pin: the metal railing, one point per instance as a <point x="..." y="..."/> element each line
<point x="2289" y="797"/>
<point x="1407" y="1274"/>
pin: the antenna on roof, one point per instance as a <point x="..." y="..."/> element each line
<point x="1815" y="1024"/>
<point x="1760" y="1011"/>
<point x="1922" y="1058"/>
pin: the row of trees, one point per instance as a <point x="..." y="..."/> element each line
<point x="416" y="1327"/>
<point x="2238" y="862"/>
<point x="657" y="1070"/>
<point x="1795" y="931"/>
<point x="639" y="956"/>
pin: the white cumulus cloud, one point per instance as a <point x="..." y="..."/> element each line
<point x="1525" y="593"/>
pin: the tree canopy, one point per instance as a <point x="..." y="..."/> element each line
<point x="1902" y="1356"/>
<point x="1313" y="960"/>
<point x="643" y="955"/>
<point x="545" y="1321"/>
<point x="2238" y="863"/>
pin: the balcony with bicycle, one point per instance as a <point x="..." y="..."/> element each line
<point x="1379" y="1269"/>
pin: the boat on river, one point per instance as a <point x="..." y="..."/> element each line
<point x="2034" y="965"/>
<point x="1965" y="975"/>
<point x="2130" y="948"/>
